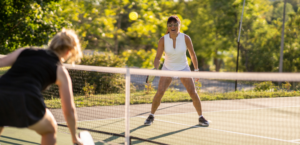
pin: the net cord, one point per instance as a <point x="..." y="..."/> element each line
<point x="252" y="76"/>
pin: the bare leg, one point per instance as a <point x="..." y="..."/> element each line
<point x="190" y="87"/>
<point x="47" y="128"/>
<point x="163" y="84"/>
<point x="1" y="129"/>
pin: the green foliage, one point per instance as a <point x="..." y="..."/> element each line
<point x="107" y="59"/>
<point x="198" y="86"/>
<point x="265" y="86"/>
<point x="89" y="90"/>
<point x="174" y="83"/>
<point x="140" y="58"/>
<point x="286" y="86"/>
<point x="24" y="23"/>
<point x="291" y="61"/>
<point x="149" y="88"/>
<point x="211" y="24"/>
<point x="104" y="25"/>
<point x="278" y="10"/>
<point x="104" y="82"/>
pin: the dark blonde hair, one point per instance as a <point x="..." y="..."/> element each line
<point x="173" y="19"/>
<point x="67" y="40"/>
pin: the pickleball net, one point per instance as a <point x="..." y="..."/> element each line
<point x="113" y="103"/>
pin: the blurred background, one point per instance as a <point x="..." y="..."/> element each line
<point x="112" y="39"/>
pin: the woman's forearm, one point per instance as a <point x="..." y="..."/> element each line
<point x="71" y="119"/>
<point x="195" y="62"/>
<point x="156" y="63"/>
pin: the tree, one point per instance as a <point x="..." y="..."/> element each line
<point x="105" y="26"/>
<point x="215" y="26"/>
<point x="22" y="24"/>
<point x="291" y="60"/>
<point x="278" y="10"/>
<point x="261" y="44"/>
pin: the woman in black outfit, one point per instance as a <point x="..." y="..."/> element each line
<point x="32" y="71"/>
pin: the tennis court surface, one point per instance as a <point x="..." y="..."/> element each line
<point x="113" y="103"/>
<point x="252" y="121"/>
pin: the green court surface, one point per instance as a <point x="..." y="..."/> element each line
<point x="240" y="122"/>
<point x="254" y="126"/>
<point x="16" y="136"/>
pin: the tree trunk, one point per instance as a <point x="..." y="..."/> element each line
<point x="217" y="63"/>
<point x="204" y="65"/>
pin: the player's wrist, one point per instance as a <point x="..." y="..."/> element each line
<point x="196" y="69"/>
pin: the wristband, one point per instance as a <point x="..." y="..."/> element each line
<point x="196" y="69"/>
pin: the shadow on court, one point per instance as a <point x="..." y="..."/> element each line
<point x="160" y="109"/>
<point x="164" y="135"/>
<point x="109" y="123"/>
<point x="11" y="140"/>
<point x="116" y="137"/>
<point x="134" y="141"/>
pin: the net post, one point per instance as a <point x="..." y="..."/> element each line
<point x="238" y="43"/>
<point x="127" y="109"/>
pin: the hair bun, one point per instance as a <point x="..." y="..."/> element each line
<point x="66" y="40"/>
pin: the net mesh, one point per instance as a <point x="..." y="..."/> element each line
<point x="99" y="98"/>
<point x="265" y="109"/>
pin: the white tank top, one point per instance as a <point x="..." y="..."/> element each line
<point x="175" y="58"/>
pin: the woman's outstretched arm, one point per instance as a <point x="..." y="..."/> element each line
<point x="10" y="59"/>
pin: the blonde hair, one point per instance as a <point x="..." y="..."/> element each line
<point x="67" y="40"/>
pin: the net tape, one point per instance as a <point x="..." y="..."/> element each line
<point x="292" y="77"/>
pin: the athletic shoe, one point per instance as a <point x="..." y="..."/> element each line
<point x="203" y="122"/>
<point x="149" y="120"/>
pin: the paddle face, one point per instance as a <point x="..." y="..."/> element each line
<point x="150" y="79"/>
<point x="86" y="138"/>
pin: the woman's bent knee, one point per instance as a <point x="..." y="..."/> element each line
<point x="47" y="125"/>
<point x="1" y="129"/>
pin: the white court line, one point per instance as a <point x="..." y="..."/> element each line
<point x="194" y="112"/>
<point x="228" y="110"/>
<point x="295" y="140"/>
<point x="96" y="119"/>
<point x="226" y="131"/>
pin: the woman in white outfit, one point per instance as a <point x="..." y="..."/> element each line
<point x="175" y="45"/>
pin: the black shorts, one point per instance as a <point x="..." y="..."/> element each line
<point x="20" y="108"/>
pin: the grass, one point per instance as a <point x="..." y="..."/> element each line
<point x="142" y="97"/>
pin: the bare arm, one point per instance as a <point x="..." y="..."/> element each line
<point x="159" y="52"/>
<point x="190" y="47"/>
<point x="10" y="59"/>
<point x="66" y="94"/>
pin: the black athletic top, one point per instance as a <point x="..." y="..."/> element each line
<point x="21" y="100"/>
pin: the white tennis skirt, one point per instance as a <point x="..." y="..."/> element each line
<point x="187" y="68"/>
